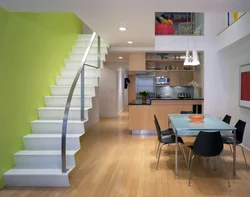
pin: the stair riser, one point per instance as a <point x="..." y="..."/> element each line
<point x="42" y="161"/>
<point x="50" y="143"/>
<point x="81" y="43"/>
<point x="61" y="102"/>
<point x="64" y="91"/>
<point x="92" y="50"/>
<point x="89" y="58"/>
<point x="72" y="72"/>
<point x="69" y="80"/>
<point x="52" y="114"/>
<point x="37" y="180"/>
<point x="56" y="128"/>
<point x="77" y="64"/>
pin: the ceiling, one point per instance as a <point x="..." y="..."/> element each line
<point x="106" y="16"/>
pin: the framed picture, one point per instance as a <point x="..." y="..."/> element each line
<point x="244" y="100"/>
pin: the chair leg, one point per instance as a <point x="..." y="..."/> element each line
<point x="159" y="155"/>
<point x="156" y="142"/>
<point x="184" y="154"/>
<point x="189" y="159"/>
<point x="230" y="148"/>
<point x="190" y="172"/>
<point x="157" y="150"/>
<point x="226" y="170"/>
<point x="244" y="158"/>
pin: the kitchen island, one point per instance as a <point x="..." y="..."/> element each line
<point x="141" y="115"/>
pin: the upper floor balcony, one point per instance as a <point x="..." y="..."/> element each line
<point x="179" y="23"/>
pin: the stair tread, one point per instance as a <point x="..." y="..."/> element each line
<point x="86" y="68"/>
<point x="67" y="96"/>
<point x="45" y="152"/>
<point x="58" y="121"/>
<point x="74" y="77"/>
<point x="17" y="171"/>
<point x="79" y="61"/>
<point x="51" y="135"/>
<point x="59" y="108"/>
<point x="69" y="86"/>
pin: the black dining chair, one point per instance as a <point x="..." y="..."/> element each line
<point x="227" y="119"/>
<point x="208" y="144"/>
<point x="186" y="112"/>
<point x="168" y="139"/>
<point x="168" y="131"/>
<point x="240" y="129"/>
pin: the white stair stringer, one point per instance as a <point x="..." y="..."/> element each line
<point x="39" y="164"/>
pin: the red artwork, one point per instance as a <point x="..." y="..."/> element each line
<point x="245" y="86"/>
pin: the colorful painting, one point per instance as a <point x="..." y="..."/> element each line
<point x="245" y="86"/>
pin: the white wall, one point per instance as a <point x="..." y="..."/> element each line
<point x="107" y="92"/>
<point x="228" y="97"/>
<point x="94" y="111"/>
<point x="113" y="97"/>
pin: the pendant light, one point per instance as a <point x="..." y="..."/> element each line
<point x="188" y="57"/>
<point x="191" y="59"/>
<point x="196" y="60"/>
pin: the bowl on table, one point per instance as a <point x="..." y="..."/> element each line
<point x="196" y="118"/>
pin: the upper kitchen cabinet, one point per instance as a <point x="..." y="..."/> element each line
<point x="168" y="62"/>
<point x="137" y="61"/>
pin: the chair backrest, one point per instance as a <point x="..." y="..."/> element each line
<point x="157" y="121"/>
<point x="227" y="119"/>
<point x="158" y="129"/>
<point x="186" y="112"/>
<point x="240" y="128"/>
<point x="208" y="144"/>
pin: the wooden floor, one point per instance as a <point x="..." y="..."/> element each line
<point x="112" y="162"/>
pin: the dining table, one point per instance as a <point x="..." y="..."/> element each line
<point x="183" y="126"/>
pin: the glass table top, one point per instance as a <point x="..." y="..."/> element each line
<point x="186" y="127"/>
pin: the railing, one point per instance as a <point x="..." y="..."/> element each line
<point x="67" y="106"/>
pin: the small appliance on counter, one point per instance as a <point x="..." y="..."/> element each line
<point x="183" y="95"/>
<point x="162" y="80"/>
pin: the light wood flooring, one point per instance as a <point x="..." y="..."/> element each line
<point x="113" y="163"/>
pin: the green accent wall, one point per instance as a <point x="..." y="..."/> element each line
<point x="33" y="47"/>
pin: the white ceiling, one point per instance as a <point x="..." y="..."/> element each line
<point x="106" y="16"/>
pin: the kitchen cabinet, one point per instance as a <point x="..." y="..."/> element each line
<point x="137" y="61"/>
<point x="186" y="78"/>
<point x="170" y="65"/>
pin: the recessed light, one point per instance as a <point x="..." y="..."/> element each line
<point x="120" y="58"/>
<point x="130" y="42"/>
<point x="122" y="29"/>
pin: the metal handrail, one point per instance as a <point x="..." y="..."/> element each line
<point x="67" y="106"/>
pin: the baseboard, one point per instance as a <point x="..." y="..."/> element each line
<point x="87" y="126"/>
<point x="245" y="148"/>
<point x="120" y="112"/>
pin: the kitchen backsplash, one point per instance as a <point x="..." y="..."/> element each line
<point x="173" y="91"/>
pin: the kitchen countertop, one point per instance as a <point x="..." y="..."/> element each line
<point x="148" y="102"/>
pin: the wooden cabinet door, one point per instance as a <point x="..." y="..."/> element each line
<point x="175" y="78"/>
<point x="186" y="78"/>
<point x="137" y="61"/>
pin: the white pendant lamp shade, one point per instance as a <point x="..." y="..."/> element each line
<point x="196" y="60"/>
<point x="192" y="59"/>
<point x="186" y="63"/>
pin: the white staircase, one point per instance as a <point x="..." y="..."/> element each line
<point x="39" y="164"/>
